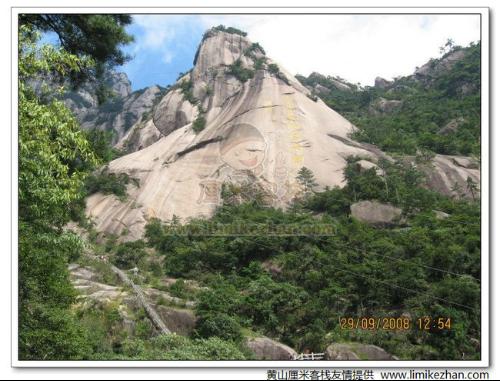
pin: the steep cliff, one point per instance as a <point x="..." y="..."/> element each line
<point x="236" y="117"/>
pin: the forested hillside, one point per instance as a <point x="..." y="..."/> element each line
<point x="437" y="108"/>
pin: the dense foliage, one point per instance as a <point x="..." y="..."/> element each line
<point x="431" y="267"/>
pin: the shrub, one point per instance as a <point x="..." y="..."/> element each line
<point x="240" y="72"/>
<point x="259" y="63"/>
<point x="182" y="74"/>
<point x="179" y="289"/>
<point x="219" y="325"/>
<point x="186" y="87"/>
<point x="108" y="183"/>
<point x="312" y="97"/>
<point x="273" y="68"/>
<point x="199" y="123"/>
<point x="250" y="51"/>
<point x="175" y="347"/>
<point x="129" y="254"/>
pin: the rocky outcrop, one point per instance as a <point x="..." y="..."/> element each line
<point x="141" y="135"/>
<point x="452" y="126"/>
<point x="87" y="283"/>
<point x="173" y="112"/>
<point x="321" y="84"/>
<point x="121" y="110"/>
<point x="434" y="68"/>
<point x="382" y="83"/>
<point x="440" y="215"/>
<point x="264" y="348"/>
<point x="261" y="130"/>
<point x="376" y="213"/>
<point x="180" y="321"/>
<point x="384" y="106"/>
<point x="320" y="89"/>
<point x="365" y="165"/>
<point x="465" y="162"/>
<point x="120" y="114"/>
<point x="357" y="351"/>
<point x="158" y="297"/>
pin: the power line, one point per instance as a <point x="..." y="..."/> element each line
<point x="409" y="261"/>
<point x="403" y="260"/>
<point x="395" y="286"/>
<point x="410" y="290"/>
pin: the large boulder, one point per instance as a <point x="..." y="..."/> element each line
<point x="266" y="349"/>
<point x="365" y="165"/>
<point x="357" y="351"/>
<point x="376" y="213"/>
<point x="178" y="320"/>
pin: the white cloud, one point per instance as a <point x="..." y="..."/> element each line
<point x="158" y="30"/>
<point x="355" y="47"/>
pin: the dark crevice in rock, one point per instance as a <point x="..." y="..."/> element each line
<point x="344" y="140"/>
<point x="198" y="146"/>
<point x="247" y="111"/>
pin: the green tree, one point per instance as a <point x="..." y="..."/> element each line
<point x="305" y="178"/>
<point x="100" y="37"/>
<point x="472" y="187"/>
<point x="50" y="142"/>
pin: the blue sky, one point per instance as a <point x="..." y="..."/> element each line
<point x="164" y="46"/>
<point x="355" y="47"/>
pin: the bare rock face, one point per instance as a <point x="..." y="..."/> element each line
<point x="356" y="351"/>
<point x="465" y="162"/>
<point x="261" y="130"/>
<point x="376" y="213"/>
<point x="173" y="112"/>
<point x="266" y="349"/>
<point x="86" y="282"/>
<point x="448" y="175"/>
<point x="119" y="83"/>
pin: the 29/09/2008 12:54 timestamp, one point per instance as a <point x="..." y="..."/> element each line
<point x="424" y="323"/>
